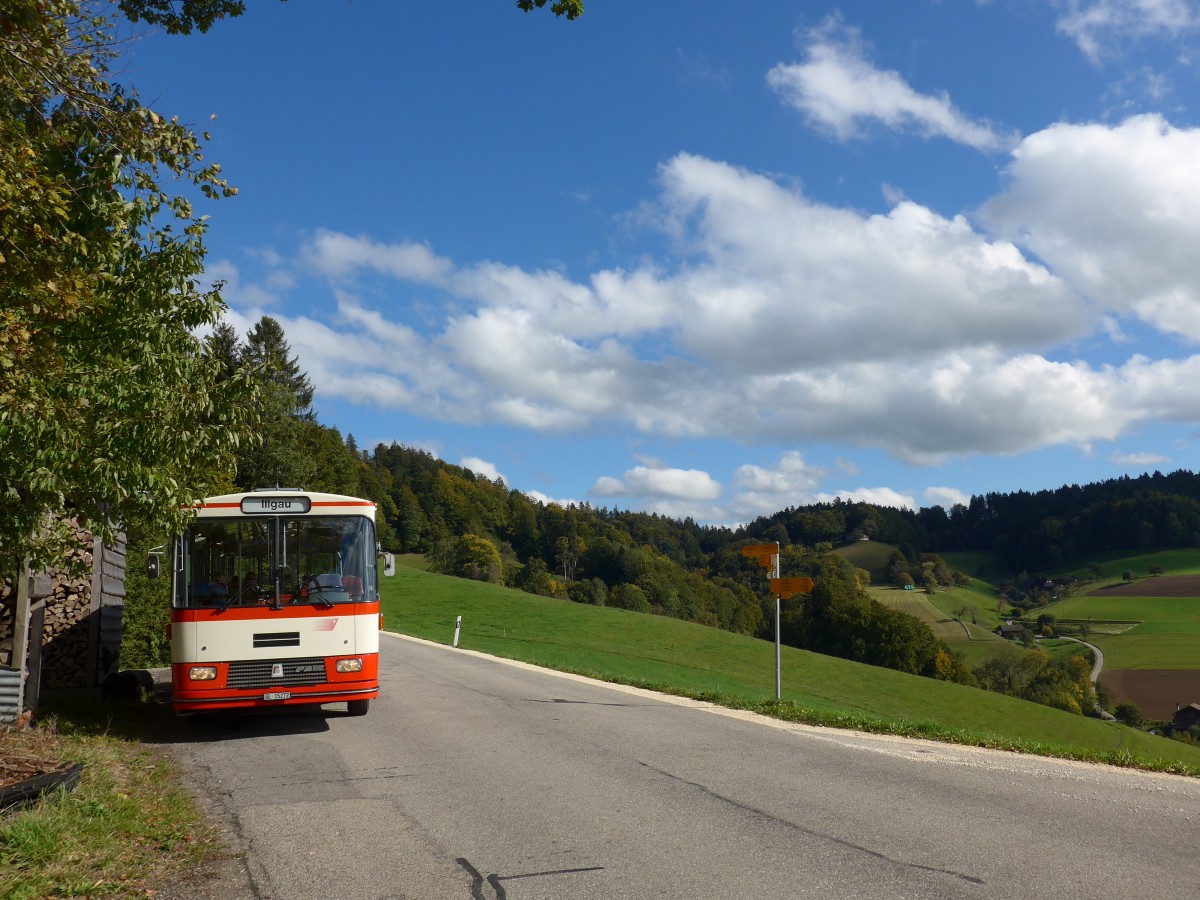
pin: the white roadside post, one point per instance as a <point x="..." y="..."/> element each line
<point x="457" y="627"/>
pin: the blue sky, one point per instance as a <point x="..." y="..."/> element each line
<point x="714" y="259"/>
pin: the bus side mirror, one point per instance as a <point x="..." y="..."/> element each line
<point x="389" y="564"/>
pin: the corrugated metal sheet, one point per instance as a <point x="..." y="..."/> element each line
<point x="112" y="587"/>
<point x="10" y="694"/>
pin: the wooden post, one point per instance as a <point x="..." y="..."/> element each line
<point x="21" y="636"/>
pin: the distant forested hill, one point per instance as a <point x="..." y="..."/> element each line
<point x="692" y="571"/>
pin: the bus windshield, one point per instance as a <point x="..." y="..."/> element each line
<point x="277" y="560"/>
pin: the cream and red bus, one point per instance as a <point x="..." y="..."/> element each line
<point x="275" y="602"/>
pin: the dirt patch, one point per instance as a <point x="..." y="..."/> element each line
<point x="27" y="753"/>
<point x="1162" y="586"/>
<point x="1157" y="692"/>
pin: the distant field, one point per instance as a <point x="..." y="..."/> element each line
<point x="919" y="605"/>
<point x="1168" y="636"/>
<point x="1158" y="586"/>
<point x="664" y="652"/>
<point x="869" y="555"/>
<point x="1157" y="692"/>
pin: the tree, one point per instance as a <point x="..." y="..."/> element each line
<point x="268" y="355"/>
<point x="110" y="408"/>
<point x="1130" y="713"/>
<point x="572" y="9"/>
<point x="177" y="17"/>
<point x="477" y="558"/>
<point x="182" y="16"/>
<point x="629" y="596"/>
<point x="567" y="550"/>
<point x="535" y="578"/>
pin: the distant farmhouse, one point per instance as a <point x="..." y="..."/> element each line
<point x="1011" y="631"/>
<point x="1186" y="718"/>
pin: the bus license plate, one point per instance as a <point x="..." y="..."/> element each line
<point x="278" y="695"/>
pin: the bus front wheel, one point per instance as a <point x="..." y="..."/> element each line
<point x="358" y="707"/>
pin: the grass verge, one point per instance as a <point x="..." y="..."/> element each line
<point x="127" y="827"/>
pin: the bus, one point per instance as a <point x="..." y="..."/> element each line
<point x="275" y="603"/>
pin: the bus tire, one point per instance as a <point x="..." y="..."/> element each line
<point x="358" y="707"/>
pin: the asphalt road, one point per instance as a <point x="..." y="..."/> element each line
<point x="473" y="778"/>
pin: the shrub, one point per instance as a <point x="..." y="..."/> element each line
<point x="1128" y="712"/>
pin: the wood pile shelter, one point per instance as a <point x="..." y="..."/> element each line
<point x="61" y="629"/>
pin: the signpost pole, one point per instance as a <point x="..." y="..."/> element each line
<point x="778" y="680"/>
<point x="783" y="589"/>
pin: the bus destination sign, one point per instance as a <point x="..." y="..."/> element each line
<point x="275" y="506"/>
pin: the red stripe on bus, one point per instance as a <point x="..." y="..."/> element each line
<point x="259" y="613"/>
<point x="314" y="503"/>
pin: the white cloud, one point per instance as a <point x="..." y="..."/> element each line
<point x="340" y="255"/>
<point x="482" y="467"/>
<point x="245" y="295"/>
<point x="784" y="320"/>
<point x="838" y="90"/>
<point x="877" y="496"/>
<point x="791" y="476"/>
<point x="1140" y="460"/>
<point x="785" y="283"/>
<point x="761" y="490"/>
<point x="1113" y="210"/>
<point x="659" y="483"/>
<point x="539" y="497"/>
<point x="945" y="497"/>
<point x="1097" y="26"/>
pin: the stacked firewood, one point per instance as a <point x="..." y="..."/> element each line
<point x="8" y="611"/>
<point x="65" y="617"/>
<point x="66" y="623"/>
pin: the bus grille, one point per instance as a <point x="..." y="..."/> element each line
<point x="257" y="673"/>
<point x="277" y="639"/>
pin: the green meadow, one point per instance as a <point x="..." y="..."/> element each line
<point x="1138" y="632"/>
<point x="1185" y="561"/>
<point x="694" y="660"/>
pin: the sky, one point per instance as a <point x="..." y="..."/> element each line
<point x="713" y="259"/>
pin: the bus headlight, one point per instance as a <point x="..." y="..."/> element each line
<point x="202" y="673"/>
<point x="349" y="665"/>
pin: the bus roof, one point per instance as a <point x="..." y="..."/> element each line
<point x="284" y="501"/>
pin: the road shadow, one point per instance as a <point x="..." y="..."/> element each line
<point x="138" y="708"/>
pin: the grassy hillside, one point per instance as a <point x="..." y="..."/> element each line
<point x="696" y="660"/>
<point x="974" y="563"/>
<point x="1185" y="561"/>
<point x="870" y="555"/>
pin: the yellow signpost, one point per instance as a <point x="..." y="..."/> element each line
<point x="786" y="587"/>
<point x="783" y="589"/>
<point x="766" y="554"/>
